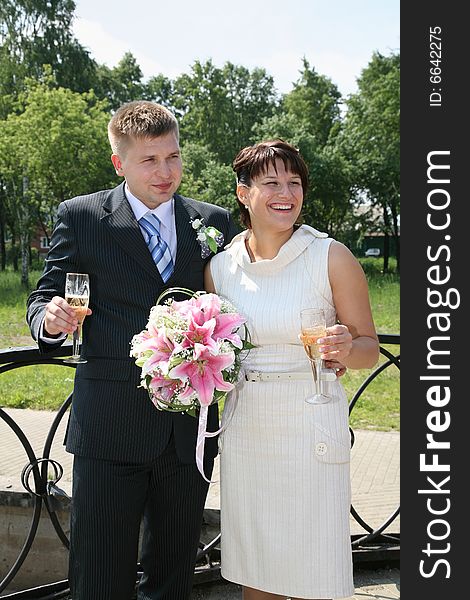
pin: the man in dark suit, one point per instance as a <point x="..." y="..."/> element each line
<point x="132" y="462"/>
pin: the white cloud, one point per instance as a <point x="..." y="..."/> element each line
<point x="281" y="59"/>
<point x="342" y="70"/>
<point x="108" y="49"/>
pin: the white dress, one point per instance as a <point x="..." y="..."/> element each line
<point x="284" y="464"/>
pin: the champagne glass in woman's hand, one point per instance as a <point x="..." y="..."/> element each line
<point x="313" y="327"/>
<point x="77" y="293"/>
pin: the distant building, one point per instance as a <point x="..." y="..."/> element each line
<point x="374" y="238"/>
<point x="40" y="242"/>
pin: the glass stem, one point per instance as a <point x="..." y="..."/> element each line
<point x="317" y="364"/>
<point x="76" y="343"/>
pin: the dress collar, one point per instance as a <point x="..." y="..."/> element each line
<point x="295" y="245"/>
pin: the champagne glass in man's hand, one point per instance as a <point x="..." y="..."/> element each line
<point x="313" y="327"/>
<point x="77" y="294"/>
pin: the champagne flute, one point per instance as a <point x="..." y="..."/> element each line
<point x="313" y="327"/>
<point x="77" y="293"/>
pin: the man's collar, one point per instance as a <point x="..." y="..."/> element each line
<point x="165" y="211"/>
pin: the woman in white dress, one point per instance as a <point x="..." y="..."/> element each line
<point x="285" y="482"/>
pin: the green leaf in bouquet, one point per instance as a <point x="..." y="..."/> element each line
<point x="212" y="244"/>
<point x="174" y="362"/>
<point x="248" y="345"/>
<point x="191" y="410"/>
<point x="141" y="361"/>
<point x="218" y="396"/>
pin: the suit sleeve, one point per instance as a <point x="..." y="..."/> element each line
<point x="62" y="258"/>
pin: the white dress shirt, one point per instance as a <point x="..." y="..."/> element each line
<point x="165" y="213"/>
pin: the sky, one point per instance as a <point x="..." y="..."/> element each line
<point x="336" y="37"/>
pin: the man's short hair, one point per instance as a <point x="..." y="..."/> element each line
<point x="139" y="119"/>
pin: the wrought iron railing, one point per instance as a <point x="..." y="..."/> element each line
<point x="373" y="545"/>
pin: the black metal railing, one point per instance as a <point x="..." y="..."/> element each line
<point x="41" y="475"/>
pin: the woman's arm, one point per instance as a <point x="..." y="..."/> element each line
<point x="354" y="341"/>
<point x="208" y="281"/>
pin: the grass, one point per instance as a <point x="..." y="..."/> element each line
<point x="14" y="330"/>
<point x="46" y="387"/>
<point x="40" y="387"/>
<point x="379" y="406"/>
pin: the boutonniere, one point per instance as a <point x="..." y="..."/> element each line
<point x="209" y="238"/>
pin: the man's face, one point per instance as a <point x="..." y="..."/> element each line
<point x="152" y="168"/>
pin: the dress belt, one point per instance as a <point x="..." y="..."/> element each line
<point x="253" y="376"/>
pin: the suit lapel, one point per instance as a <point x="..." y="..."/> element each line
<point x="119" y="218"/>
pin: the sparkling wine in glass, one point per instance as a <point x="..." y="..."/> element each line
<point x="313" y="327"/>
<point x="77" y="294"/>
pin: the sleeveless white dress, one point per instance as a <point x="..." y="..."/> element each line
<point x="284" y="464"/>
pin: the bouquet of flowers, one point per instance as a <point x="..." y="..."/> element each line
<point x="190" y="354"/>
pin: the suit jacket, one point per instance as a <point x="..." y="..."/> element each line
<point x="111" y="417"/>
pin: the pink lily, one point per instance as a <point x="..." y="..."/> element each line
<point x="156" y="340"/>
<point x="200" y="337"/>
<point x="226" y="323"/>
<point x="182" y="307"/>
<point x="207" y="307"/>
<point x="161" y="347"/>
<point x="162" y="388"/>
<point x="204" y="308"/>
<point x="205" y="374"/>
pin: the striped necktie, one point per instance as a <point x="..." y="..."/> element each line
<point x="157" y="245"/>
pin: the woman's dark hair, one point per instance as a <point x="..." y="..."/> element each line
<point x="255" y="160"/>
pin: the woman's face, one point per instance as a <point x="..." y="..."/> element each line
<point x="274" y="198"/>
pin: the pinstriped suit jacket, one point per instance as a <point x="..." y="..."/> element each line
<point x="111" y="418"/>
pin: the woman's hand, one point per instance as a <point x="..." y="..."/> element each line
<point x="336" y="345"/>
<point x="337" y="367"/>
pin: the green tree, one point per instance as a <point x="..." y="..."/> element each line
<point x="160" y="89"/>
<point x="219" y="106"/>
<point x="316" y="102"/>
<point x="34" y="33"/>
<point x="123" y="83"/>
<point x="54" y="149"/>
<point x="370" y="140"/>
<point x="206" y="179"/>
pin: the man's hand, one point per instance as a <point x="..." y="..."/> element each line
<point x="60" y="317"/>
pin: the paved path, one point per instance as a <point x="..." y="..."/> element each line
<point x="375" y="472"/>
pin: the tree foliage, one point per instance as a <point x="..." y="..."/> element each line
<point x="371" y="142"/>
<point x="120" y="84"/>
<point x="34" y="33"/>
<point x="219" y="106"/>
<point x="206" y="179"/>
<point x="55" y="148"/>
<point x="315" y="101"/>
<point x="55" y="102"/>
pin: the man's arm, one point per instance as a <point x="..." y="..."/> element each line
<point x="62" y="258"/>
